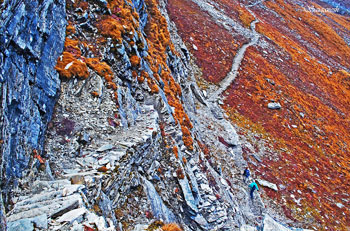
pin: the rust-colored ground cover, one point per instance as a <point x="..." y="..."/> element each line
<point x="309" y="136"/>
<point x="304" y="67"/>
<point x="213" y="46"/>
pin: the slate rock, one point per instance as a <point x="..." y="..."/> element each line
<point x="20" y="225"/>
<point x="72" y="215"/>
<point x="105" y="148"/>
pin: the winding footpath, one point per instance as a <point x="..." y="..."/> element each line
<point x="231" y="76"/>
<point x="233" y="27"/>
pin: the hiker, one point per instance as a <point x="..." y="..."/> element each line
<point x="252" y="187"/>
<point x="246" y="174"/>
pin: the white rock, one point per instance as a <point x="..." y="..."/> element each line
<point x="105" y="148"/>
<point x="339" y="205"/>
<point x="195" y="47"/>
<point x="267" y="184"/>
<point x="274" y="106"/>
<point x="103" y="161"/>
<point x="71" y="216"/>
<point x="70" y="189"/>
<point x="206" y="188"/>
<point x="271" y="225"/>
<point x="140" y="227"/>
<point x="68" y="65"/>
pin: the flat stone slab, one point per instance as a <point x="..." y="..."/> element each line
<point x="72" y="215"/>
<point x="50" y="208"/>
<point x="267" y="184"/>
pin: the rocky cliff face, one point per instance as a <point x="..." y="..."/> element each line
<point x="32" y="36"/>
<point x="138" y="136"/>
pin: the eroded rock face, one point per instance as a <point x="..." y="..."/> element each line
<point x="31" y="39"/>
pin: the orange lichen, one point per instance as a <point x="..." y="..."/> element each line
<point x="112" y="85"/>
<point x="135" y="60"/>
<point x="68" y="66"/>
<point x="187" y="138"/>
<point x="153" y="86"/>
<point x="176" y="152"/>
<point x="171" y="227"/>
<point x="111" y="27"/>
<point x="102" y="68"/>
<point x="184" y="160"/>
<point x="70" y="29"/>
<point x="95" y="94"/>
<point x="180" y="174"/>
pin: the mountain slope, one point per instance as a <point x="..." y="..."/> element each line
<point x="143" y="130"/>
<point x="301" y="62"/>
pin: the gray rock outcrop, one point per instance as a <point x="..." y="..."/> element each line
<point x="31" y="39"/>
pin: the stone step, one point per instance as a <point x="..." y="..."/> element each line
<point x="45" y="198"/>
<point x="52" y="208"/>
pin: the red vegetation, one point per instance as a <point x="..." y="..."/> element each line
<point x="102" y="169"/>
<point x="308" y="138"/>
<point x="184" y="160"/>
<point x="216" y="47"/>
<point x="310" y="132"/>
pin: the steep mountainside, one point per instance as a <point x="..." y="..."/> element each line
<point x="128" y="120"/>
<point x="301" y="64"/>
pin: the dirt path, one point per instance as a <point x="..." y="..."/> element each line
<point x="230" y="77"/>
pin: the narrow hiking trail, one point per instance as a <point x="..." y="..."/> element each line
<point x="231" y="76"/>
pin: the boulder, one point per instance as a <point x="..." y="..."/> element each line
<point x="267" y="184"/>
<point x="274" y="106"/>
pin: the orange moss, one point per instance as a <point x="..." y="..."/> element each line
<point x="134" y="74"/>
<point x="325" y="38"/>
<point x="111" y="27"/>
<point x="313" y="137"/>
<point x="142" y="76"/>
<point x="112" y="85"/>
<point x="68" y="66"/>
<point x="115" y="96"/>
<point x="102" y="68"/>
<point x="171" y="227"/>
<point x="180" y="174"/>
<point x="70" y="29"/>
<point x="102" y="169"/>
<point x="204" y="148"/>
<point x="153" y="86"/>
<point x="95" y="94"/>
<point x="187" y="138"/>
<point x="176" y="152"/>
<point x="135" y="60"/>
